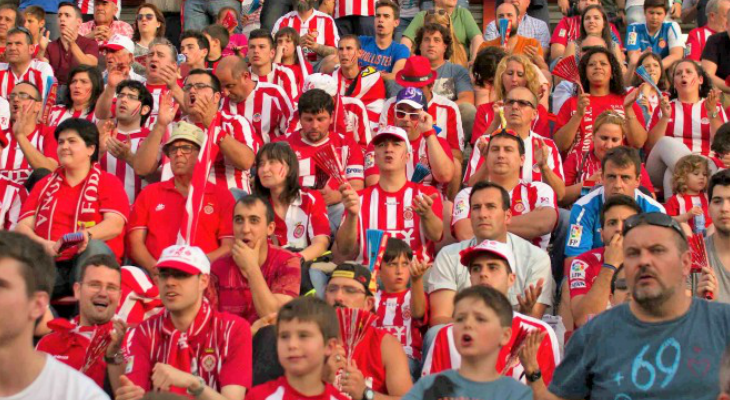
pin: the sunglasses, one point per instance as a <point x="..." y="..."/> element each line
<point x="521" y="103"/>
<point x="653" y="219"/>
<point x="402" y="114"/>
<point x="149" y="17"/>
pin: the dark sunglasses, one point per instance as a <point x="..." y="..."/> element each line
<point x="149" y="17"/>
<point x="653" y="219"/>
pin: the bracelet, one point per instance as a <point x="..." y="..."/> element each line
<point x="429" y="133"/>
<point x="609" y="266"/>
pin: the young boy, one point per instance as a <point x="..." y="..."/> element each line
<point x="218" y="40"/>
<point x="35" y="23"/>
<point x="482" y="329"/>
<point x="401" y="311"/>
<point x="663" y="37"/>
<point x="287" y="41"/>
<point x="307" y="332"/>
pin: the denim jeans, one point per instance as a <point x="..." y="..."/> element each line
<point x="201" y="13"/>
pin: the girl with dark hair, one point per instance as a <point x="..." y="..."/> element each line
<point x="594" y="22"/>
<point x="84" y="88"/>
<point x="300" y="214"/>
<point x="482" y="73"/>
<point x="648" y="98"/>
<point x="600" y="76"/>
<point x="148" y="26"/>
<point x="685" y="122"/>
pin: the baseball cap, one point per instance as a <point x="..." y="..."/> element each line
<point x="411" y="96"/>
<point x="320" y="81"/>
<point x="186" y="131"/>
<point x="393" y="131"/>
<point x="494" y="247"/>
<point x="116" y="2"/>
<point x="119" y="42"/>
<point x="189" y="259"/>
<point x="354" y="271"/>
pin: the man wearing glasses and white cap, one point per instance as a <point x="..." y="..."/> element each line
<point x="119" y="59"/>
<point x="189" y="348"/>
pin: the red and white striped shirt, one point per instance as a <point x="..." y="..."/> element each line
<point x="280" y="76"/>
<point x="524" y="198"/>
<point x="349" y="152"/>
<point x="696" y="42"/>
<point x="60" y="113"/>
<point x="485" y="116"/>
<point x="268" y="108"/>
<point x="354" y="124"/>
<point x="38" y="73"/>
<point x="393" y="213"/>
<point x="348" y="8"/>
<point x="579" y="167"/>
<point x="156" y="91"/>
<point x="279" y="389"/>
<point x="682" y="203"/>
<point x="140" y="298"/>
<point x="132" y="182"/>
<point x="13" y="163"/>
<point x="87" y="7"/>
<point x="306" y="217"/>
<point x="12" y="196"/>
<point x="394" y="317"/>
<point x="4" y="115"/>
<point x="318" y="22"/>
<point x="445" y="115"/>
<point x="529" y="174"/>
<point x="690" y="124"/>
<point x="442" y="355"/>
<point x="369" y="88"/>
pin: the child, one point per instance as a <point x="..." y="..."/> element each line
<point x="402" y="311"/>
<point x="689" y="183"/>
<point x="287" y="40"/>
<point x="35" y="23"/>
<point x="482" y="321"/>
<point x="307" y="332"/>
<point x="237" y="42"/>
<point x="218" y="37"/>
<point x="663" y="37"/>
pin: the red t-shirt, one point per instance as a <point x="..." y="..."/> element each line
<point x="583" y="271"/>
<point x="231" y="292"/>
<point x="682" y="203"/>
<point x="347" y="149"/>
<point x="111" y="199"/>
<point x="305" y="218"/>
<point x="158" y="209"/>
<point x="12" y="196"/>
<point x="369" y="358"/>
<point x="279" y="389"/>
<point x="394" y="317"/>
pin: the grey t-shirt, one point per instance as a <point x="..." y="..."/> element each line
<point x="616" y="356"/>
<point x="452" y="79"/>
<point x="503" y="388"/>
<point x="722" y="294"/>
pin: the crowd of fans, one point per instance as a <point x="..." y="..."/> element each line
<point x="364" y="199"/>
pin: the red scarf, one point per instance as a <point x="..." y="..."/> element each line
<point x="180" y="353"/>
<point x="99" y="337"/>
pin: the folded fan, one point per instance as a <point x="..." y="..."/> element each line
<point x="698" y="251"/>
<point x="644" y="75"/>
<point x="420" y="173"/>
<point x="514" y="352"/>
<point x="504" y="29"/>
<point x="98" y="345"/>
<point x="328" y="161"/>
<point x="354" y="323"/>
<point x="567" y="68"/>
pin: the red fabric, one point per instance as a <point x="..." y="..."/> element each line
<point x="318" y="22"/>
<point x="282" y="77"/>
<point x="231" y="289"/>
<point x="38" y="73"/>
<point x="696" y="40"/>
<point x="485" y="115"/>
<point x="568" y="30"/>
<point x="221" y="348"/>
<point x="583" y="271"/>
<point x="394" y="317"/>
<point x="60" y="113"/>
<point x="132" y="182"/>
<point x="296" y="69"/>
<point x="12" y="157"/>
<point x="140" y="298"/>
<point x="305" y="219"/>
<point x="268" y="108"/>
<point x="350" y="121"/>
<point x="369" y="359"/>
<point x="682" y="203"/>
<point x="348" y="8"/>
<point x="12" y="196"/>
<point x="591" y="166"/>
<point x="279" y="389"/>
<point x="690" y="124"/>
<point x="446" y="116"/>
<point x="347" y="149"/>
<point x="158" y="209"/>
<point x="368" y="87"/>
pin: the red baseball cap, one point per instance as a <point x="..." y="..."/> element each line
<point x="416" y="73"/>
<point x="188" y="259"/>
<point x="499" y="249"/>
<point x="116" y="2"/>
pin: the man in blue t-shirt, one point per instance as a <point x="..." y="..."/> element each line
<point x="664" y="38"/>
<point x="663" y="344"/>
<point x="381" y="51"/>
<point x="621" y="168"/>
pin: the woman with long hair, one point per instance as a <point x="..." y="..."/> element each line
<point x="600" y="77"/>
<point x="440" y="16"/>
<point x="148" y="26"/>
<point x="301" y="218"/>
<point x="483" y="71"/>
<point x="685" y="122"/>
<point x="649" y="99"/>
<point x="594" y="22"/>
<point x="84" y="88"/>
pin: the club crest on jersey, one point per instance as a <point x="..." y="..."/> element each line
<point x="705" y="121"/>
<point x="208" y="362"/>
<point x="299" y="230"/>
<point x="519" y="207"/>
<point x="408" y="214"/>
<point x="662" y="44"/>
<point x="257" y="117"/>
<point x="406" y="312"/>
<point x="208" y="209"/>
<point x="461" y="207"/>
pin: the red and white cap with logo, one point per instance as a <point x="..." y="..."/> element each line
<point x="119" y="42"/>
<point x="499" y="249"/>
<point x="188" y="259"/>
<point x="320" y="81"/>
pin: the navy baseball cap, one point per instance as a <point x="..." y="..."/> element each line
<point x="412" y="96"/>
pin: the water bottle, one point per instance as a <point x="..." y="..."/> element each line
<point x="699" y="225"/>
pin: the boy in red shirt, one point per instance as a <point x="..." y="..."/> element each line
<point x="307" y="333"/>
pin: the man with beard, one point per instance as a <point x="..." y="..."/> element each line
<point x="97" y="291"/>
<point x="317" y="30"/>
<point x="718" y="244"/>
<point x="20" y="64"/>
<point x="670" y="343"/>
<point x="105" y="25"/>
<point x="379" y="367"/>
<point x="517" y="44"/>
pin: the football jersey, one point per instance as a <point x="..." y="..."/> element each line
<point x="348" y="151"/>
<point x="485" y="116"/>
<point x="579" y="167"/>
<point x="156" y="91"/>
<point x="368" y="87"/>
<point x="38" y="73"/>
<point x="568" y="30"/>
<point x="279" y="389"/>
<point x="268" y="108"/>
<point x="394" y="317"/>
<point x="348" y="8"/>
<point x="583" y="271"/>
<point x="12" y="196"/>
<point x="60" y="113"/>
<point x="442" y="354"/>
<point x="696" y="42"/>
<point x="132" y="182"/>
<point x="318" y="22"/>
<point x="667" y="37"/>
<point x="306" y="217"/>
<point x="13" y="163"/>
<point x="682" y="203"/>
<point x="690" y="124"/>
<point x="282" y="77"/>
<point x="140" y="297"/>
<point x="524" y="198"/>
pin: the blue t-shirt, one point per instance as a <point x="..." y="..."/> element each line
<point x="616" y="356"/>
<point x="50" y="6"/>
<point x="503" y="388"/>
<point x="585" y="221"/>
<point x="381" y="60"/>
<point x="668" y="36"/>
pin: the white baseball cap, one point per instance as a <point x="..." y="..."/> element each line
<point x="494" y="247"/>
<point x="118" y="42"/>
<point x="320" y="81"/>
<point x="189" y="259"/>
<point x="393" y="131"/>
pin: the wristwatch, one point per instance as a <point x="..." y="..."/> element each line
<point x="533" y="377"/>
<point x="116" y="359"/>
<point x="201" y="387"/>
<point x="368" y="394"/>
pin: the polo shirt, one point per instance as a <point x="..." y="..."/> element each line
<point x="63" y="61"/>
<point x="159" y="207"/>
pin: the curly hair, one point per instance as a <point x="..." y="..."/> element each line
<point x="533" y="83"/>
<point x="445" y="34"/>
<point x="616" y="84"/>
<point x="459" y="54"/>
<point x="706" y="85"/>
<point x="686" y="165"/>
<point x="605" y="32"/>
<point x="485" y="65"/>
<point x="663" y="83"/>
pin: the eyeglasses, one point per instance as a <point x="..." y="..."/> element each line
<point x="185" y="149"/>
<point x="22" y="96"/>
<point x="97" y="287"/>
<point x="349" y="290"/>
<point x="197" y="86"/>
<point x="130" y="96"/>
<point x="653" y="219"/>
<point x="521" y="103"/>
<point x="403" y="114"/>
<point x="149" y="17"/>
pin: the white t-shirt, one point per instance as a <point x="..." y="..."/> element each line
<point x="58" y="381"/>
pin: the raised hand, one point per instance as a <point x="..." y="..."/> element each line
<point x="422" y="204"/>
<point x="529" y="299"/>
<point x="350" y="199"/>
<point x="425" y="122"/>
<point x="168" y="109"/>
<point x="128" y="390"/>
<point x="246" y="257"/>
<point x="418" y="269"/>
